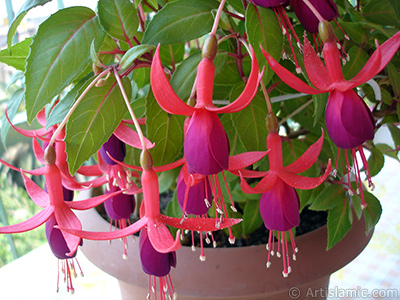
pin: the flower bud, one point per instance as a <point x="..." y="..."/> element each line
<point x="96" y="69"/>
<point x="146" y="160"/>
<point x="272" y="123"/>
<point x="326" y="32"/>
<point x="50" y="155"/>
<point x="210" y="47"/>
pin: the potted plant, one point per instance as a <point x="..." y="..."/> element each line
<point x="248" y="112"/>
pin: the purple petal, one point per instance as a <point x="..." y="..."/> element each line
<point x="206" y="145"/>
<point x="115" y="148"/>
<point x="279" y="207"/>
<point x="56" y="240"/>
<point x="153" y="262"/>
<point x="327" y="9"/>
<point x="120" y="206"/>
<point x="197" y="194"/>
<point x="348" y="120"/>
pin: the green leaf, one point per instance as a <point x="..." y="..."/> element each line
<point x="185" y="74"/>
<point x="329" y="197"/>
<point x="172" y="54"/>
<point x="394" y="78"/>
<point x="94" y="120"/>
<point x="93" y="55"/>
<point x="250" y="121"/>
<point x="19" y="54"/>
<point x="251" y="217"/>
<point x="180" y="21"/>
<point x="13" y="104"/>
<point x="354" y="30"/>
<point x="263" y="29"/>
<point x="174" y="210"/>
<point x="387" y="150"/>
<point x="339" y="222"/>
<point x="118" y="18"/>
<point x="320" y="101"/>
<point x="358" y="59"/>
<point x="54" y="63"/>
<point x="29" y="4"/>
<point x="133" y="54"/>
<point x="165" y="130"/>
<point x="380" y="12"/>
<point x="375" y="161"/>
<point x="62" y="108"/>
<point x="373" y="211"/>
<point x="395" y="133"/>
<point x="166" y="179"/>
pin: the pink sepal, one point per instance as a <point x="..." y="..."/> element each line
<point x="290" y="79"/>
<point x="31" y="223"/>
<point x="303" y="182"/>
<point x="103" y="236"/>
<point x="243" y="160"/>
<point x="200" y="224"/>
<point x="163" y="92"/>
<point x="160" y="237"/>
<point x="39" y="196"/>
<point x="308" y="158"/>
<point x="130" y="137"/>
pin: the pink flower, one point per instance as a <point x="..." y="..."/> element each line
<point x="279" y="203"/>
<point x="348" y="119"/>
<point x="157" y="266"/>
<point x="206" y="146"/>
<point x="59" y="247"/>
<point x="53" y="204"/>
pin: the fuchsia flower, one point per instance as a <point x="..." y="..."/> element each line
<point x="279" y="203"/>
<point x="349" y="121"/>
<point x="206" y="145"/>
<point x="58" y="246"/>
<point x="157" y="265"/>
<point x="53" y="203"/>
<point x="327" y="9"/>
<point x="197" y="192"/>
<point x="158" y="233"/>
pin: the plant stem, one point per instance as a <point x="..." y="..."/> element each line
<point x="217" y="17"/>
<point x="131" y="112"/>
<point x="265" y="92"/>
<point x="66" y="118"/>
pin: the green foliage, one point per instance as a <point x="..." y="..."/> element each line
<point x="94" y="120"/>
<point x="180" y="21"/>
<point x="122" y="36"/>
<point x="54" y="63"/>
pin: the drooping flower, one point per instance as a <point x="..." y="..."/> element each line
<point x="67" y="263"/>
<point x="206" y="146"/>
<point x="157" y="265"/>
<point x="150" y="216"/>
<point x="53" y="203"/>
<point x="197" y="193"/>
<point x="279" y="203"/>
<point x="327" y="9"/>
<point x="348" y="119"/>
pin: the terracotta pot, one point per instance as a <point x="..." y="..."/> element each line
<point x="229" y="273"/>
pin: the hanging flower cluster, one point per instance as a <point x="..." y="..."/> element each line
<point x="200" y="117"/>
